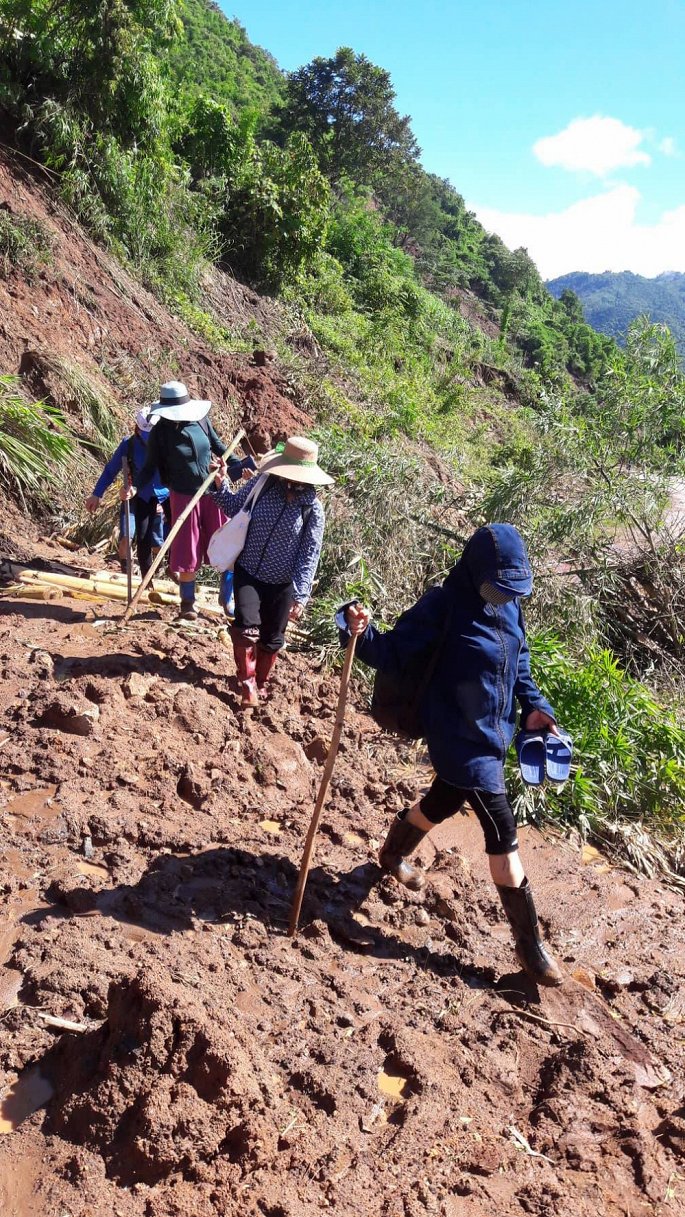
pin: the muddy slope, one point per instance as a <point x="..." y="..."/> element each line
<point x="391" y="1061"/>
<point x="84" y="308"/>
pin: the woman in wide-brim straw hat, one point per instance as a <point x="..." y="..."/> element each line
<point x="182" y="444"/>
<point x="274" y="574"/>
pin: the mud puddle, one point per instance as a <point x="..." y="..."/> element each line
<point x="29" y="1093"/>
<point x="33" y="805"/>
<point x="96" y="869"/>
<point x="394" y="1085"/>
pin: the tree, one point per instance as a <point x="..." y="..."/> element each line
<point x="275" y="209"/>
<point x="93" y="58"/>
<point x="570" y="302"/>
<point x="345" y="106"/>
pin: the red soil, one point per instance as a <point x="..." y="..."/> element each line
<point x="226" y="1069"/>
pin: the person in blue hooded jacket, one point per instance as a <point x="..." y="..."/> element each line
<point x="468" y="712"/>
<point x="150" y="502"/>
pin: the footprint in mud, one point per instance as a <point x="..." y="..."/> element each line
<point x="396" y="1083"/>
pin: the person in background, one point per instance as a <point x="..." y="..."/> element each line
<point x="181" y="446"/>
<point x="149" y="504"/>
<point x="468" y="711"/>
<point x="273" y="576"/>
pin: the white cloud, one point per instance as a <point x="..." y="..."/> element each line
<point x="598" y="233"/>
<point x="596" y="145"/>
<point x="668" y="146"/>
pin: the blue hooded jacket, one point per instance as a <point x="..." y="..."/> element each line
<point x="469" y="707"/>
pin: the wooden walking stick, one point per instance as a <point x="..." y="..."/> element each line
<point x="127" y="519"/>
<point x="323" y="788"/>
<point x="176" y="529"/>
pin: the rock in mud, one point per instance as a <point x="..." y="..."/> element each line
<point x="136" y="685"/>
<point x="194" y="787"/>
<point x="75" y="716"/>
<point x="279" y="761"/>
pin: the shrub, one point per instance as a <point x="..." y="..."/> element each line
<point x="376" y="545"/>
<point x="629" y="762"/>
<point x="96" y="411"/>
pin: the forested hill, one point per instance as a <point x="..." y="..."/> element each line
<point x="612" y="301"/>
<point x="177" y="140"/>
<point x="210" y="54"/>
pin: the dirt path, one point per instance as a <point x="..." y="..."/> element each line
<point x="391" y="1062"/>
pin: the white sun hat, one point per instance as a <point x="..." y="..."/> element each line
<point x="144" y="421"/>
<point x="176" y="404"/>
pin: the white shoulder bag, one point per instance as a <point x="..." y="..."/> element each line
<point x="227" y="543"/>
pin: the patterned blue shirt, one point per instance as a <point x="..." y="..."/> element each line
<point x="280" y="546"/>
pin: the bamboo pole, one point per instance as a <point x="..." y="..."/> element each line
<point x="99" y="587"/>
<point x="323" y="788"/>
<point x="176" y="529"/>
<point x="127" y="516"/>
<point x="79" y="583"/>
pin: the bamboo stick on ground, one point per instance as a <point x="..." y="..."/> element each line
<point x="36" y="583"/>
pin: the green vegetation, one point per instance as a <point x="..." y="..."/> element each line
<point x="441" y="355"/>
<point x="630" y="766"/>
<point x="93" y="413"/>
<point x="33" y="441"/>
<point x="24" y="245"/>
<point x="213" y="57"/>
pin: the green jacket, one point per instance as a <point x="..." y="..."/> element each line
<point x="181" y="452"/>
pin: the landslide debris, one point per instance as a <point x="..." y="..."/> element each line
<point x="391" y="1060"/>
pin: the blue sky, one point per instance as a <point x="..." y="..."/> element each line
<point x="561" y="123"/>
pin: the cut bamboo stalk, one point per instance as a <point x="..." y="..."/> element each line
<point x="176" y="529"/>
<point x="167" y="586"/>
<point x="156" y="597"/>
<point x="36" y="584"/>
<point x="25" y="591"/>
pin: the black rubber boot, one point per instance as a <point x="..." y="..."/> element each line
<point x="531" y="952"/>
<point x="399" y="843"/>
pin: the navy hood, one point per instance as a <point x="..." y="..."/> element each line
<point x="494" y="554"/>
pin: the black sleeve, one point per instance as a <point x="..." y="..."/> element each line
<point x="153" y="460"/>
<point x="217" y="446"/>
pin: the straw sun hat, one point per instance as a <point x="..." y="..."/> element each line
<point x="296" y="460"/>
<point x="176" y="404"/>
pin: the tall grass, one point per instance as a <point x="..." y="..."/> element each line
<point x="33" y="441"/>
<point x="97" y="411"/>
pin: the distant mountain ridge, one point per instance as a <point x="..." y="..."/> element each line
<point x="612" y="300"/>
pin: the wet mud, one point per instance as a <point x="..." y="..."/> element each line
<point x="390" y="1061"/>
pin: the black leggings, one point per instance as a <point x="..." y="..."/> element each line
<point x="261" y="609"/>
<point x="145" y="514"/>
<point x="494" y="813"/>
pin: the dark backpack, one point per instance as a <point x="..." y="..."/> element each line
<point x="396" y="698"/>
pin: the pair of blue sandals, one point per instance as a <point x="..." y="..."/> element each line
<point x="544" y="755"/>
